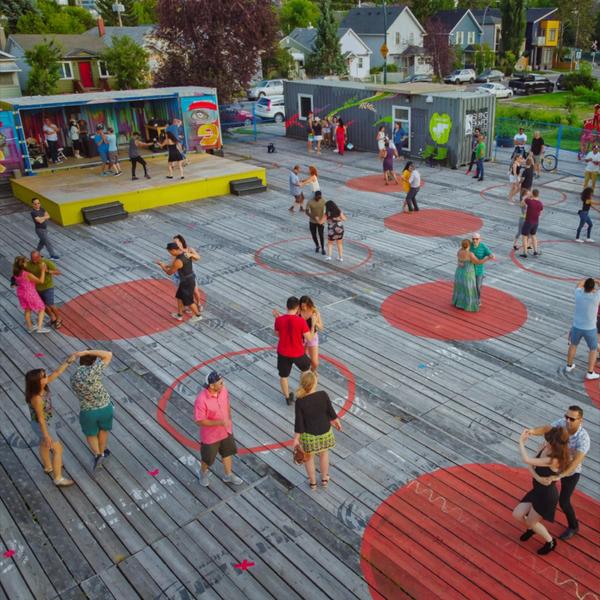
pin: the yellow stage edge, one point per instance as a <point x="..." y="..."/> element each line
<point x="136" y="200"/>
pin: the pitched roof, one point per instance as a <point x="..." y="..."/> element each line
<point x="451" y="18"/>
<point x="369" y="19"/>
<point x="305" y="36"/>
<point x="72" y="44"/>
<point x="537" y="14"/>
<point x="492" y="15"/>
<point x="137" y="34"/>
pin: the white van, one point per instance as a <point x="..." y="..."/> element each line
<point x="267" y="87"/>
<point x="271" y="108"/>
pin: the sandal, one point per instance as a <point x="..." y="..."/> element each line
<point x="49" y="471"/>
<point x="313" y="486"/>
<point x="325" y="481"/>
<point x="62" y="482"/>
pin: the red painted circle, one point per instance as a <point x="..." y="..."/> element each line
<point x="539" y="260"/>
<point x="592" y="387"/>
<point x="433" y="222"/>
<point x="375" y="183"/>
<point x="308" y="250"/>
<point x="486" y="195"/>
<point x="182" y="438"/>
<point x="122" y="311"/>
<point x="426" y="310"/>
<point x="451" y="534"/>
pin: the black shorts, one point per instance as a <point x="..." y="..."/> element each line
<point x="284" y="364"/>
<point x="529" y="228"/>
<point x="185" y="291"/>
<point x="225" y="447"/>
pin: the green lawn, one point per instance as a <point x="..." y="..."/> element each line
<point x="552" y="100"/>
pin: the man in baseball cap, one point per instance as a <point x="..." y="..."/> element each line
<point x="212" y="412"/>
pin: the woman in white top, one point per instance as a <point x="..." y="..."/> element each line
<point x="381" y="137"/>
<point x="514" y="177"/>
<point x="312" y="179"/>
<point x="74" y="135"/>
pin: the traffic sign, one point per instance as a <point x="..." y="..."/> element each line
<point x="384" y="50"/>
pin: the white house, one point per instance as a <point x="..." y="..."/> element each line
<point x="301" y="42"/>
<point x="404" y="37"/>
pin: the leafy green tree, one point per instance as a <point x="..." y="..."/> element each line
<point x="144" y="12"/>
<point x="327" y="58"/>
<point x="298" y="13"/>
<point x="127" y="63"/>
<point x="277" y="63"/>
<point x="13" y="10"/>
<point x="484" y="57"/>
<point x="424" y="9"/>
<point x="48" y="17"/>
<point x="44" y="60"/>
<point x="513" y="26"/>
<point x="104" y="7"/>
<point x="459" y="57"/>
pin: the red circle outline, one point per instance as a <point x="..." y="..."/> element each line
<point x="519" y="264"/>
<point x="483" y="192"/>
<point x="163" y="402"/>
<point x="261" y="263"/>
<point x="396" y="221"/>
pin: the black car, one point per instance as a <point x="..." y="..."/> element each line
<point x="490" y="75"/>
<point x="418" y="78"/>
<point x="531" y="84"/>
<point x="559" y="82"/>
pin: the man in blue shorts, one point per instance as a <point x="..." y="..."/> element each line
<point x="46" y="289"/>
<point x="587" y="299"/>
<point x="102" y="147"/>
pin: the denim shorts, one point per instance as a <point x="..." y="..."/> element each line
<point x="37" y="432"/>
<point x="589" y="335"/>
<point x="47" y="296"/>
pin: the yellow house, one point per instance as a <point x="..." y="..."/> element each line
<point x="541" y="37"/>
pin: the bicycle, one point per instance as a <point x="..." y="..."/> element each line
<point x="549" y="162"/>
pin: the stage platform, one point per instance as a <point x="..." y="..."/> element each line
<point x="64" y="194"/>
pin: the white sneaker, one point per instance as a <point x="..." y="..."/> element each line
<point x="328" y="258"/>
<point x="569" y="368"/>
<point x="340" y="259"/>
<point x="590" y="240"/>
<point x="177" y="316"/>
<point x="592" y="376"/>
<point x="204" y="478"/>
<point x="195" y="319"/>
<point x="43" y="330"/>
<point x="579" y="241"/>
<point x="234" y="479"/>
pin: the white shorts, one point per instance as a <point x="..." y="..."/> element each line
<point x="318" y="138"/>
<point x="513" y="178"/>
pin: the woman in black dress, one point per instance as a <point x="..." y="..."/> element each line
<point x="335" y="229"/>
<point x="175" y="154"/>
<point x="313" y="427"/>
<point x="540" y="502"/>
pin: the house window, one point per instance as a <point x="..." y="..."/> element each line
<point x="103" y="70"/>
<point x="471" y="37"/>
<point x="460" y="37"/>
<point x="401" y="114"/>
<point x="305" y="105"/>
<point x="552" y="35"/>
<point x="397" y="38"/>
<point x="66" y="70"/>
<point x="411" y="38"/>
<point x="360" y="62"/>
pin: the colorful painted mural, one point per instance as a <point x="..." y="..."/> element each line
<point x="440" y="127"/>
<point x="10" y="158"/>
<point x="201" y="122"/>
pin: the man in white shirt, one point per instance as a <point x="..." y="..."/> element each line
<point x="414" y="182"/>
<point x="592" y="166"/>
<point x="51" y="135"/>
<point x="520" y="140"/>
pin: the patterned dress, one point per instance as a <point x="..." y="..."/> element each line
<point x="464" y="295"/>
<point x="335" y="229"/>
<point x="28" y="297"/>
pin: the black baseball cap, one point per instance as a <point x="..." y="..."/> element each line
<point x="172" y="246"/>
<point x="212" y="377"/>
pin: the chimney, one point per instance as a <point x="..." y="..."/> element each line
<point x="101" y="29"/>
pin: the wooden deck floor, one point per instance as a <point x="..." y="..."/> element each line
<point x="420" y="405"/>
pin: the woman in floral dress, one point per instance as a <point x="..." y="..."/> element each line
<point x="28" y="297"/>
<point x="464" y="295"/>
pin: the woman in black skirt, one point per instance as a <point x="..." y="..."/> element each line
<point x="175" y="154"/>
<point x="540" y="503"/>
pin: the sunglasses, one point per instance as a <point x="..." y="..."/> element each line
<point x="572" y="419"/>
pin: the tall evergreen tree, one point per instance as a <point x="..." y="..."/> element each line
<point x="326" y="58"/>
<point x="13" y="9"/>
<point x="513" y="26"/>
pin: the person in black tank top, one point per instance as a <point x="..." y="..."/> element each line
<point x="584" y="213"/>
<point x="182" y="265"/>
<point x="540" y="502"/>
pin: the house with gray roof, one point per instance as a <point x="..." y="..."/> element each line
<point x="463" y="29"/>
<point x="9" y="76"/>
<point x="300" y="43"/>
<point x="542" y="36"/>
<point x="398" y="28"/>
<point x="490" y="20"/>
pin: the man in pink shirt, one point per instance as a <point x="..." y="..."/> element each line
<point x="212" y="412"/>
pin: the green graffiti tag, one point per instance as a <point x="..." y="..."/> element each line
<point x="440" y="127"/>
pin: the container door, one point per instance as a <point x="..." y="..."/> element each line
<point x="402" y="115"/>
<point x="420" y="130"/>
<point x="85" y="74"/>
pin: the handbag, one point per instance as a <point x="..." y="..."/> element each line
<point x="300" y="457"/>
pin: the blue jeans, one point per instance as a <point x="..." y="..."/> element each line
<point x="44" y="241"/>
<point x="584" y="219"/>
<point x="479" y="172"/>
<point x="479" y="284"/>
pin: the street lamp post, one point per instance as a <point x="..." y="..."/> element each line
<point x="384" y="43"/>
<point x="118" y="8"/>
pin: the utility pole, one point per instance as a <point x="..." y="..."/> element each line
<point x="384" y="49"/>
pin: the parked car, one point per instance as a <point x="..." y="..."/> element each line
<point x="559" y="82"/>
<point x="490" y="75"/>
<point x="417" y="77"/>
<point x="234" y="115"/>
<point x="266" y="87"/>
<point x="528" y="84"/>
<point x="271" y="109"/>
<point x="461" y="76"/>
<point x="497" y="89"/>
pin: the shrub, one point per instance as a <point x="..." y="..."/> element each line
<point x="583" y="77"/>
<point x="583" y="94"/>
<point x="391" y="68"/>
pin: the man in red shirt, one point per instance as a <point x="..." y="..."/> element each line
<point x="292" y="331"/>
<point x="532" y="218"/>
<point x="212" y="412"/>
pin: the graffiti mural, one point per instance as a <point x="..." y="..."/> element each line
<point x="9" y="153"/>
<point x="201" y="122"/>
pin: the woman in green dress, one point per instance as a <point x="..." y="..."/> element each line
<point x="464" y="295"/>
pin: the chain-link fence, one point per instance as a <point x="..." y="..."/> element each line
<point x="567" y="144"/>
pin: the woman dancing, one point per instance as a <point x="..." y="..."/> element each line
<point x="309" y="312"/>
<point x="540" y="502"/>
<point x="464" y="295"/>
<point x="28" y="297"/>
